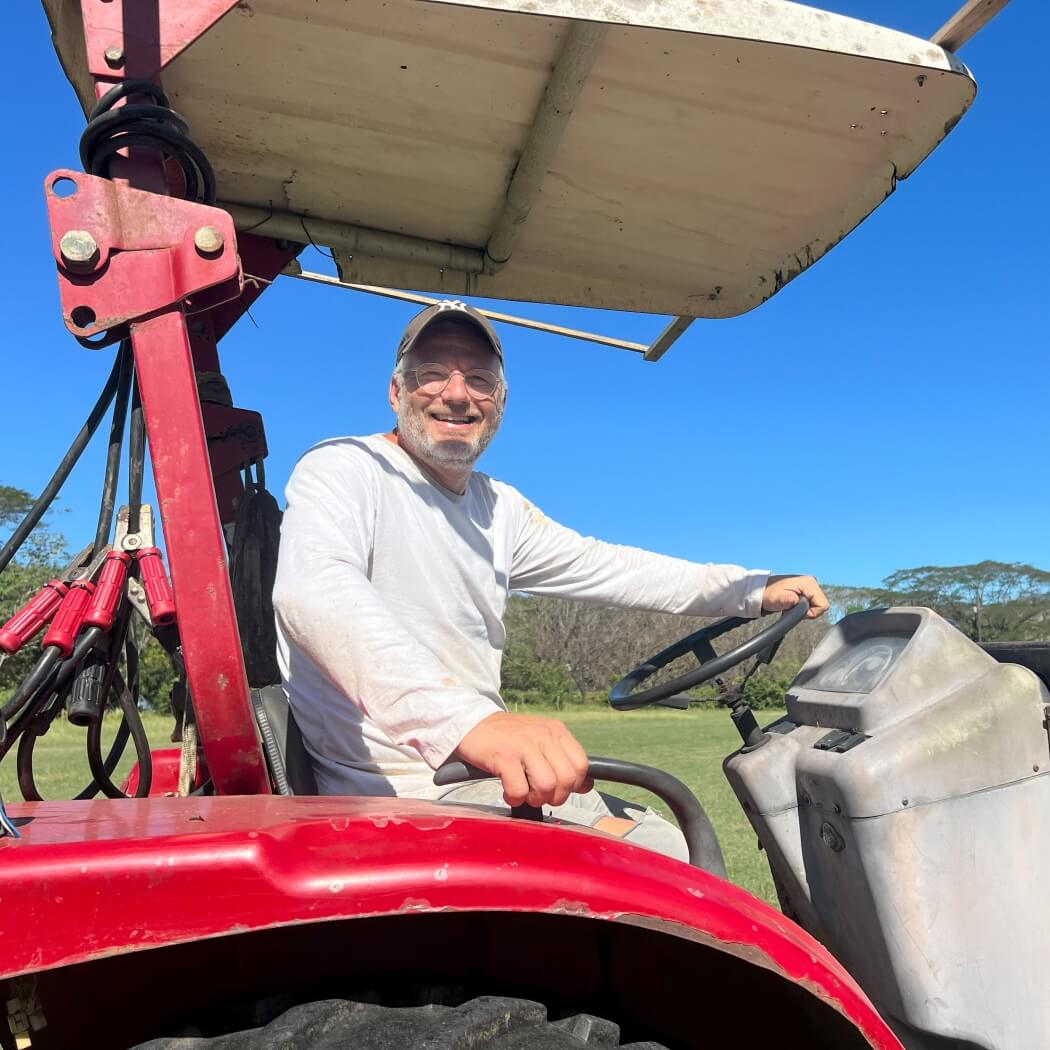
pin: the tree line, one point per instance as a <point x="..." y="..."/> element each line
<point x="563" y="652"/>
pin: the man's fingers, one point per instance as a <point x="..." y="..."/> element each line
<point x="783" y="592"/>
<point x="537" y="759"/>
<point x="578" y="760"/>
<point x="515" y="782"/>
<point x="542" y="778"/>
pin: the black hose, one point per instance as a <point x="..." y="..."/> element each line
<point x="26" y="778"/>
<point x="136" y="459"/>
<point x="46" y="498"/>
<point x="40" y="725"/>
<point x="30" y="686"/>
<point x="26" y="705"/>
<point x="138" y="735"/>
<point x="116" y="442"/>
<point x="152" y="124"/>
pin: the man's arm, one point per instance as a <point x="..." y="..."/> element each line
<point x="329" y="609"/>
<point x="537" y="759"/>
<point x="551" y="560"/>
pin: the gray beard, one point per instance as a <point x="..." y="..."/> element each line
<point x="414" y="436"/>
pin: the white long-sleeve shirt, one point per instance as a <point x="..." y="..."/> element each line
<point x="390" y="595"/>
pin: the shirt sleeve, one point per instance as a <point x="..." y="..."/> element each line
<point x="552" y="560"/>
<point x="328" y="608"/>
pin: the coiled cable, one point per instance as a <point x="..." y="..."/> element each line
<point x="152" y="124"/>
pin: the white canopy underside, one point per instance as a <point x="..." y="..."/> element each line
<point x="715" y="151"/>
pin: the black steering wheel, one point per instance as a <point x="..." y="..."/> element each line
<point x="623" y="697"/>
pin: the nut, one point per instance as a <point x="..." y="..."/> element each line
<point x="114" y="56"/>
<point x="208" y="240"/>
<point x="79" y="250"/>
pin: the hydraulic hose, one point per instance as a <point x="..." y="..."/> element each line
<point x="136" y="459"/>
<point x="126" y="367"/>
<point x="152" y="124"/>
<point x="26" y="703"/>
<point x="69" y="460"/>
<point x="27" y="782"/>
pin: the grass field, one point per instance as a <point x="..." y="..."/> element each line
<point x="689" y="744"/>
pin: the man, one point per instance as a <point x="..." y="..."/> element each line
<point x="396" y="562"/>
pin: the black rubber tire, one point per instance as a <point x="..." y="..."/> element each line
<point x="485" y="1023"/>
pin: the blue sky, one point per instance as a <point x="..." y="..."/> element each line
<point x="888" y="409"/>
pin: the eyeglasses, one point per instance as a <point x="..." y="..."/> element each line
<point x="431" y="379"/>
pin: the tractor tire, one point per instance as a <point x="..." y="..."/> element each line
<point x="485" y="1023"/>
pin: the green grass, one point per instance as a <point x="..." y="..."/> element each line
<point x="59" y="758"/>
<point x="689" y="744"/>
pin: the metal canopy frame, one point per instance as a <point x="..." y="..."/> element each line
<point x="568" y="76"/>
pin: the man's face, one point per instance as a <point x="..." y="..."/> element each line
<point x="450" y="429"/>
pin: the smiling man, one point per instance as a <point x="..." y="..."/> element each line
<point x="396" y="562"/>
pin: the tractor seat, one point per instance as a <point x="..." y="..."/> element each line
<point x="286" y="755"/>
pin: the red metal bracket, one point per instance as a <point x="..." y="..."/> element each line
<point x="123" y="254"/>
<point x="236" y="438"/>
<point x="131" y="258"/>
<point x="138" y="38"/>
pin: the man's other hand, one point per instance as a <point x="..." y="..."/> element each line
<point x="537" y="759"/>
<point x="783" y="592"/>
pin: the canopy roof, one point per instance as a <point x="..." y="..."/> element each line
<point x="686" y="157"/>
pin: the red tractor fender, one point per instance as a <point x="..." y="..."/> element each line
<point x="93" y="880"/>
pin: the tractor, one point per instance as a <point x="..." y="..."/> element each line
<point x="679" y="157"/>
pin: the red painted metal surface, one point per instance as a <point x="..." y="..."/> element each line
<point x="197" y="554"/>
<point x="253" y="863"/>
<point x="144" y="267"/>
<point x="146" y="259"/>
<point x="165" y="779"/>
<point x="147" y="33"/>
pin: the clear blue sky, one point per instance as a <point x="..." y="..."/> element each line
<point x="887" y="409"/>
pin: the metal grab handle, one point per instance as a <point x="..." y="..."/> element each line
<point x="700" y="838"/>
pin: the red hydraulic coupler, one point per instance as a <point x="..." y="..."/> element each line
<point x="108" y="591"/>
<point x="159" y="595"/>
<point x="41" y="607"/>
<point x="32" y="616"/>
<point x="65" y="627"/>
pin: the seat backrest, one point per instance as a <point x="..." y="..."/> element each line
<point x="286" y="754"/>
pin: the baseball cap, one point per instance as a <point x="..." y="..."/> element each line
<point x="447" y="310"/>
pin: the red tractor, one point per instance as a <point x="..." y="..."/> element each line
<point x="213" y="900"/>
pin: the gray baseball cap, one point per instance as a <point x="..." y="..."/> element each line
<point x="448" y="310"/>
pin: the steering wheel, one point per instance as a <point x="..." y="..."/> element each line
<point x="623" y="697"/>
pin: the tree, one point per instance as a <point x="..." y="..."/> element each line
<point x="989" y="601"/>
<point x="556" y="647"/>
<point x="34" y="565"/>
<point x="43" y="546"/>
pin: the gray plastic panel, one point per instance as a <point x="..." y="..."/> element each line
<point x="919" y="855"/>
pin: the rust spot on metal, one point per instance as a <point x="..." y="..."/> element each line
<point x="415" y="904"/>
<point x="570" y="907"/>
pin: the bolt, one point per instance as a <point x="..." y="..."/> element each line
<point x="131" y="542"/>
<point x="114" y="56"/>
<point x="79" y="250"/>
<point x="904" y="801"/>
<point x="832" y="839"/>
<point x="208" y="240"/>
<point x="838" y="808"/>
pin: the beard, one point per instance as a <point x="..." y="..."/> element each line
<point x="412" y="431"/>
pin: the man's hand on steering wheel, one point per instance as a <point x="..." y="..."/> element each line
<point x="783" y="592"/>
